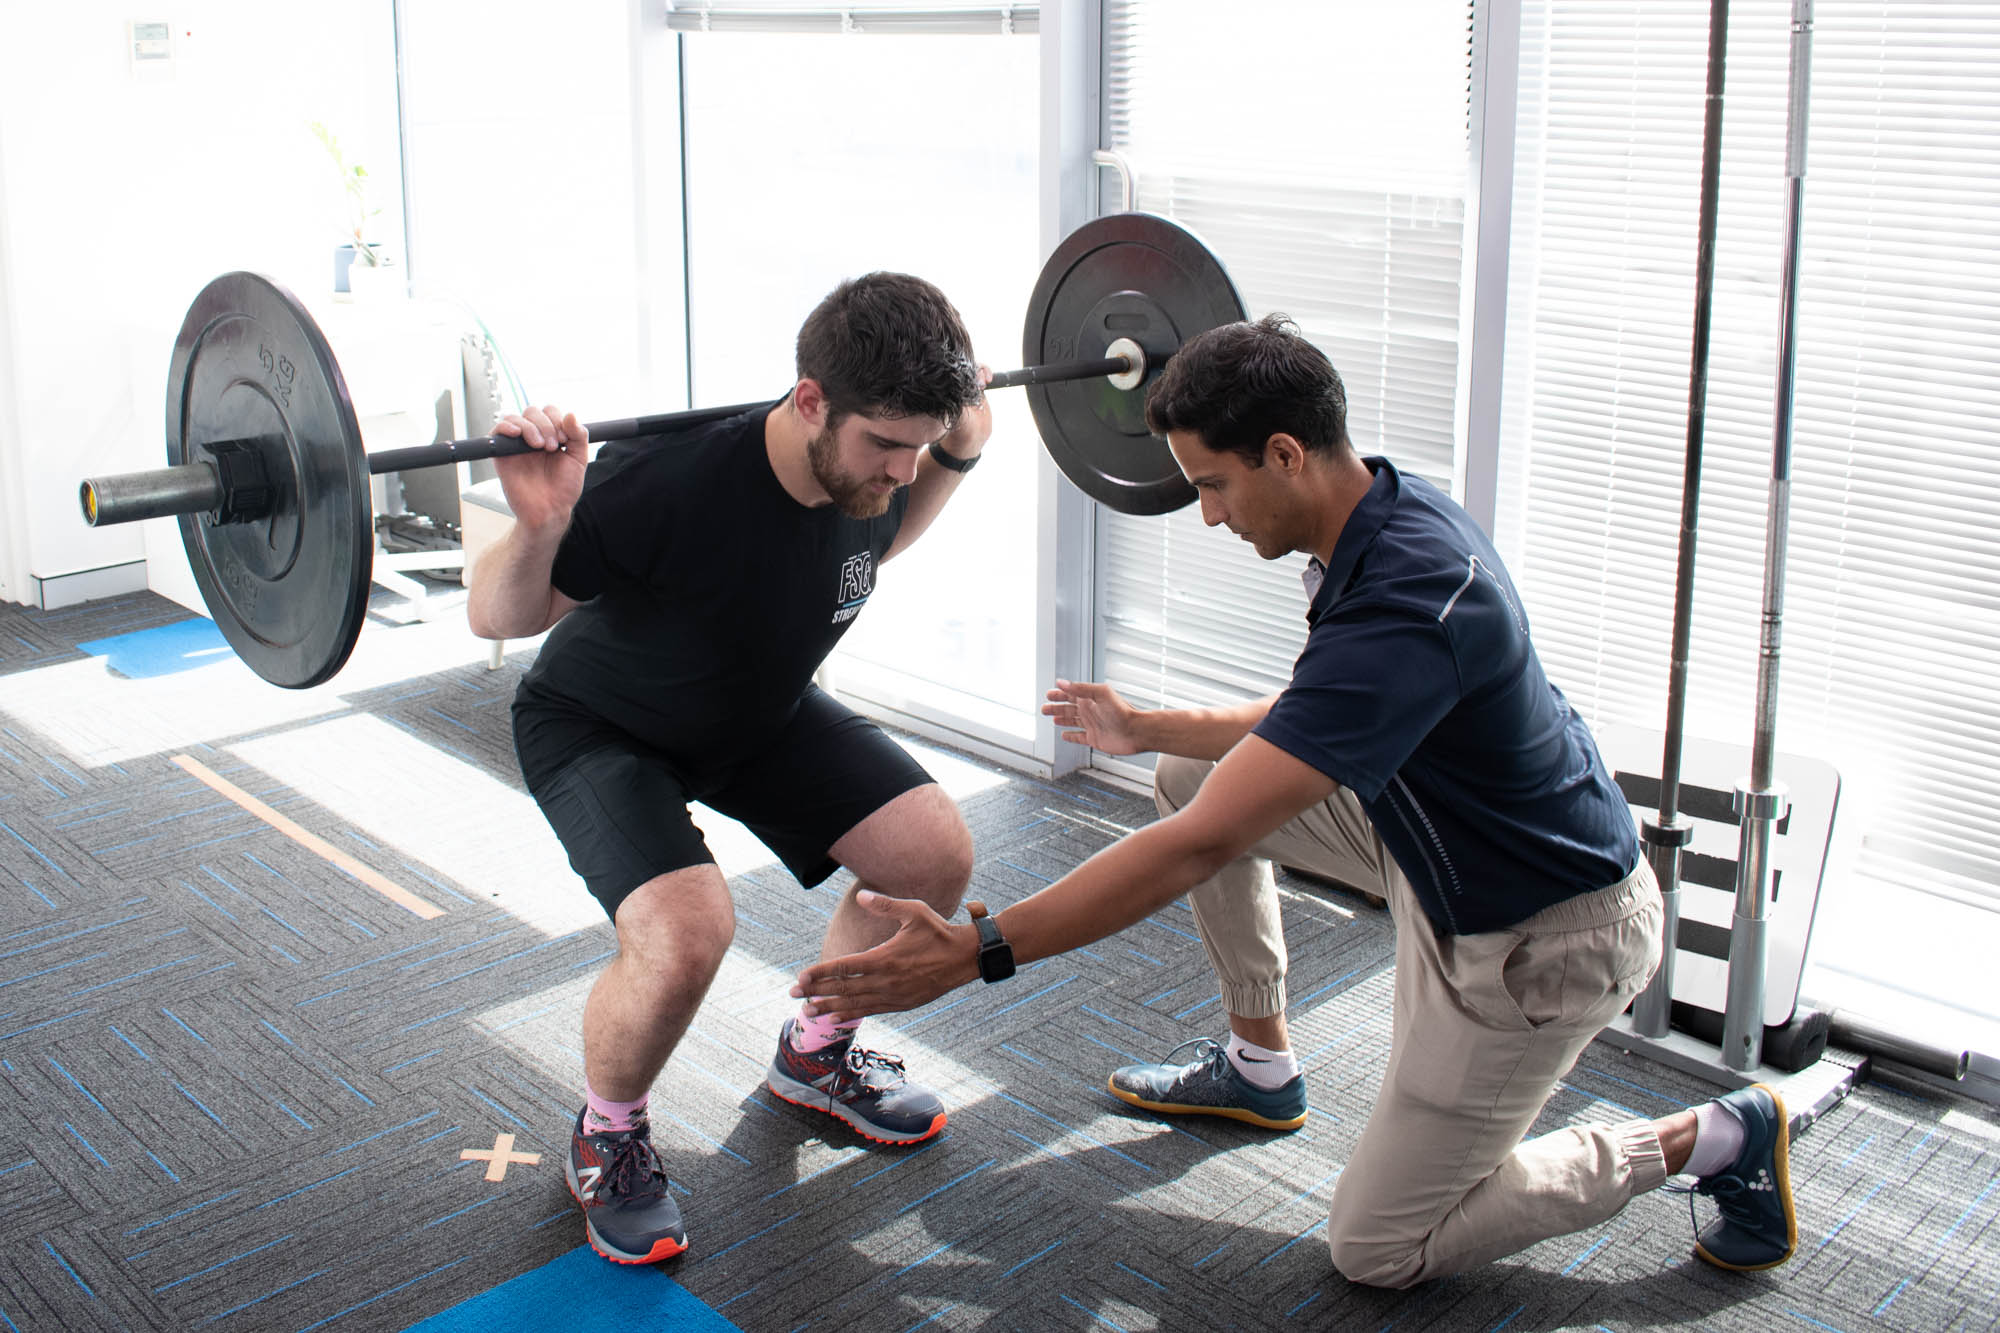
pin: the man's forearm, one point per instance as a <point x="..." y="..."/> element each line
<point x="1123" y="884"/>
<point x="510" y="596"/>
<point x="1199" y="733"/>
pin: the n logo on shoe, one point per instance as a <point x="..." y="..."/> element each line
<point x="586" y="1181"/>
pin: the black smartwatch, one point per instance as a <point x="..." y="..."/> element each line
<point x="945" y="458"/>
<point x="996" y="956"/>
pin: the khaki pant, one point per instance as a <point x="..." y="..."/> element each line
<point x="1486" y="1026"/>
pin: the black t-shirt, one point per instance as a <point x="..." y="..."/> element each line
<point x="710" y="596"/>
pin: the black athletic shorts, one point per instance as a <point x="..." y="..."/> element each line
<point x="620" y="807"/>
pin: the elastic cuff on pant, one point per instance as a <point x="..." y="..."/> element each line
<point x="1248" y="1000"/>
<point x="1640" y="1144"/>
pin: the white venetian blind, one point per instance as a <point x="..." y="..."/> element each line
<point x="1319" y="148"/>
<point x="883" y="18"/>
<point x="1891" y="636"/>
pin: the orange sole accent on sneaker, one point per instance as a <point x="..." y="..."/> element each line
<point x="1782" y="1158"/>
<point x="666" y="1249"/>
<point x="1231" y="1112"/>
<point x="663" y="1249"/>
<point x="937" y="1122"/>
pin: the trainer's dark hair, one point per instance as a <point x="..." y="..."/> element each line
<point x="1236" y="386"/>
<point x="889" y="345"/>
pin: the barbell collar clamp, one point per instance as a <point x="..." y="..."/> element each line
<point x="1770" y="804"/>
<point x="1679" y="832"/>
<point x="1134" y="357"/>
<point x="247" y="491"/>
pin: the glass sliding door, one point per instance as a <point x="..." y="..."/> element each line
<point x="1320" y="149"/>
<point x="814" y="157"/>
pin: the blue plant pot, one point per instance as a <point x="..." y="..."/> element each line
<point x="343" y="259"/>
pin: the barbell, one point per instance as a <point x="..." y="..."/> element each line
<point x="268" y="475"/>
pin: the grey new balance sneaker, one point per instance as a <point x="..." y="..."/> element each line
<point x="628" y="1215"/>
<point x="1210" y="1086"/>
<point x="865" y="1089"/>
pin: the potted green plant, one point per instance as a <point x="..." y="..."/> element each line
<point x="356" y="251"/>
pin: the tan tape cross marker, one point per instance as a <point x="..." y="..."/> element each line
<point x="502" y="1156"/>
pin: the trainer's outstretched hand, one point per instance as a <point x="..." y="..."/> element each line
<point x="1094" y="715"/>
<point x="926" y="957"/>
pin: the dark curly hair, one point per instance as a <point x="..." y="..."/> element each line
<point x="1236" y="386"/>
<point x="889" y="345"/>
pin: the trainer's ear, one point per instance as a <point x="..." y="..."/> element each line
<point x="1285" y="453"/>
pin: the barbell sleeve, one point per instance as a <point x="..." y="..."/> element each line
<point x="127" y="497"/>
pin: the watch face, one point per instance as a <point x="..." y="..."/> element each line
<point x="996" y="956"/>
<point x="996" y="962"/>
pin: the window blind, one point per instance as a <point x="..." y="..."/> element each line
<point x="1342" y="207"/>
<point x="935" y="16"/>
<point x="1890" y="666"/>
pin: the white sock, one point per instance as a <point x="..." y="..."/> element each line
<point x="1718" y="1139"/>
<point x="1261" y="1068"/>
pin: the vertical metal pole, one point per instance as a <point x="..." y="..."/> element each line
<point x="403" y="144"/>
<point x="1074" y="51"/>
<point x="1761" y="802"/>
<point x="1666" y="836"/>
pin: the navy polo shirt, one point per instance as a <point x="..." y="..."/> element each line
<point x="1419" y="691"/>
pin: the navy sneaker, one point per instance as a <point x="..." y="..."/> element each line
<point x="628" y="1215"/>
<point x="864" y="1088"/>
<point x="1210" y="1086"/>
<point x="1757" y="1228"/>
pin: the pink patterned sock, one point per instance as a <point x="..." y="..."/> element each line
<point x="602" y="1116"/>
<point x="819" y="1031"/>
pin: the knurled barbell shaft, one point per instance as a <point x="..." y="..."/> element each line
<point x="1062" y="370"/>
<point x="195" y="488"/>
<point x="501" y="446"/>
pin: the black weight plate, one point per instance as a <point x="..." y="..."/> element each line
<point x="1130" y="275"/>
<point x="290" y="590"/>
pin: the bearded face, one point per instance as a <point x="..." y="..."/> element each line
<point x="855" y="495"/>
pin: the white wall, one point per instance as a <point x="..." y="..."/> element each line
<point x="127" y="191"/>
<point x="13" y="524"/>
<point x="544" y="162"/>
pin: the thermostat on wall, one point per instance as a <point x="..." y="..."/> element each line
<point x="150" y="45"/>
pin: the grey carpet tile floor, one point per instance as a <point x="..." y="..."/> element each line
<point x="236" y="1079"/>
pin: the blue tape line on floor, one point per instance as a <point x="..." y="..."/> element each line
<point x="162" y="650"/>
<point x="589" y="1292"/>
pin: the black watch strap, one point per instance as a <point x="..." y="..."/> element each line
<point x="996" y="956"/>
<point x="944" y="458"/>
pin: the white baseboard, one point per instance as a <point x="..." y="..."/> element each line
<point x="56" y="591"/>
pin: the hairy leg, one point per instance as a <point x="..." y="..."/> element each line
<point x="672" y="934"/>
